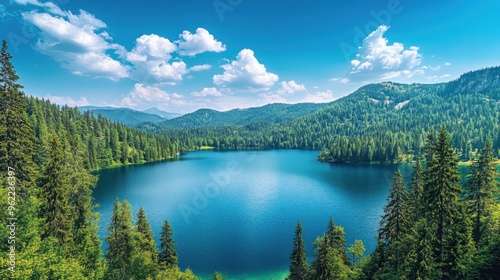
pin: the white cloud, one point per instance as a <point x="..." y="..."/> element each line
<point x="290" y="87"/>
<point x="74" y="42"/>
<point x="380" y="59"/>
<point x="438" y="77"/>
<point x="200" y="42"/>
<point x="51" y="7"/>
<point x="148" y="47"/>
<point x="147" y="95"/>
<point x="66" y="100"/>
<point x="271" y="98"/>
<point x="320" y="97"/>
<point x="150" y="57"/>
<point x="245" y="71"/>
<point x="207" y="92"/>
<point x="201" y="67"/>
<point x="340" y="80"/>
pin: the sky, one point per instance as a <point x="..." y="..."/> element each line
<point x="180" y="56"/>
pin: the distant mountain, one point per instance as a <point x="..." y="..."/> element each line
<point x="125" y="116"/>
<point x="163" y="114"/>
<point x="382" y="122"/>
<point x="271" y="113"/>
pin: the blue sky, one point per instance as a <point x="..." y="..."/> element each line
<point x="222" y="54"/>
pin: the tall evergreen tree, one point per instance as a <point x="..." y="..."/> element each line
<point x="168" y="255"/>
<point x="145" y="236"/>
<point x="482" y="191"/>
<point x="395" y="222"/>
<point x="120" y="239"/>
<point x="337" y="239"/>
<point x="298" y="266"/>
<point x="416" y="192"/>
<point x="328" y="263"/>
<point x="145" y="259"/>
<point x="442" y="192"/>
<point x="55" y="194"/>
<point x="17" y="143"/>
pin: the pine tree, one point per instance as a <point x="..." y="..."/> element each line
<point x="420" y="262"/>
<point x="145" y="235"/>
<point x="416" y="192"/>
<point x="55" y="194"/>
<point x="395" y="222"/>
<point x="482" y="190"/>
<point x="120" y="239"/>
<point x="328" y="263"/>
<point x="298" y="267"/>
<point x="168" y="255"/>
<point x="444" y="209"/>
<point x="145" y="259"/>
<point x="17" y="143"/>
<point x="337" y="240"/>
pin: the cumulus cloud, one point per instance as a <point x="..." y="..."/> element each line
<point x="207" y="92"/>
<point x="75" y="42"/>
<point x="320" y="97"/>
<point x="200" y="42"/>
<point x="66" y="100"/>
<point x="147" y="95"/>
<point x="379" y="58"/>
<point x="150" y="57"/>
<point x="290" y="87"/>
<point x="201" y="67"/>
<point x="245" y="71"/>
<point x="151" y="47"/>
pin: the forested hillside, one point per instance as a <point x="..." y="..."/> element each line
<point x="124" y="116"/>
<point x="272" y="113"/>
<point x="377" y="123"/>
<point x="46" y="155"/>
<point x="432" y="227"/>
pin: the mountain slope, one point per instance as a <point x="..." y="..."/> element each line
<point x="272" y="113"/>
<point x="124" y="116"/>
<point x="160" y="113"/>
<point x="378" y="122"/>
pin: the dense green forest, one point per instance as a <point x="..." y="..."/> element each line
<point x="377" y="123"/>
<point x="47" y="154"/>
<point x="124" y="116"/>
<point x="432" y="227"/>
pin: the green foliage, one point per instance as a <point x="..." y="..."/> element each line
<point x="298" y="266"/>
<point x="395" y="224"/>
<point x="168" y="255"/>
<point x="328" y="263"/>
<point x="357" y="251"/>
<point x="174" y="273"/>
<point x="482" y="192"/>
<point x="145" y="260"/>
<point x="121" y="242"/>
<point x="217" y="276"/>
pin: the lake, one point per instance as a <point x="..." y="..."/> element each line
<point x="235" y="212"/>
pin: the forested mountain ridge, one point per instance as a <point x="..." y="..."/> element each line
<point x="163" y="114"/>
<point x="129" y="116"/>
<point x="271" y="113"/>
<point x="382" y="122"/>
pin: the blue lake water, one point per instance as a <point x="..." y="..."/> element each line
<point x="235" y="212"/>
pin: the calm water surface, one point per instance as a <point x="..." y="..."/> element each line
<point x="236" y="212"/>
